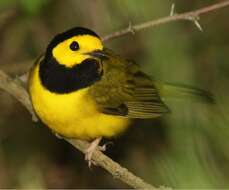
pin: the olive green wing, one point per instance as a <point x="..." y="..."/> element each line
<point x="126" y="91"/>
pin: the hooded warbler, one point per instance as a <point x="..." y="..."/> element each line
<point x="80" y="89"/>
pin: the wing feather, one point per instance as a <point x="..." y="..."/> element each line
<point x="131" y="94"/>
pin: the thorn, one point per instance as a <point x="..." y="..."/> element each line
<point x="195" y="19"/>
<point x="130" y="28"/>
<point x="196" y="22"/>
<point x="172" y="10"/>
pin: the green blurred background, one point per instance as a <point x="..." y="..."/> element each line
<point x="185" y="149"/>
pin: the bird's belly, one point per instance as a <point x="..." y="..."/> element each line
<point x="74" y="115"/>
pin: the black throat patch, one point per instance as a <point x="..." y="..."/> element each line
<point x="61" y="79"/>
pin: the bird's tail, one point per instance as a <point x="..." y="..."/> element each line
<point x="175" y="91"/>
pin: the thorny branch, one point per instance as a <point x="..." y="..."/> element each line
<point x="16" y="90"/>
<point x="191" y="16"/>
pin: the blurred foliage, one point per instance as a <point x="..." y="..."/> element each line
<point x="27" y="6"/>
<point x="185" y="149"/>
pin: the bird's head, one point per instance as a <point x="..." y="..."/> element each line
<point x="74" y="46"/>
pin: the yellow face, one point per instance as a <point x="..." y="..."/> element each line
<point x="74" y="50"/>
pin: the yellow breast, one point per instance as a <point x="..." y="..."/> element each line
<point x="74" y="114"/>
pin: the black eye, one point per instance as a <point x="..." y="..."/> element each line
<point x="74" y="46"/>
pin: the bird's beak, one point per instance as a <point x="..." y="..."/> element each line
<point x="99" y="54"/>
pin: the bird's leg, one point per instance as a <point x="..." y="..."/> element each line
<point x="90" y="150"/>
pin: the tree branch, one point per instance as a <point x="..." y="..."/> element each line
<point x="191" y="16"/>
<point x="17" y="91"/>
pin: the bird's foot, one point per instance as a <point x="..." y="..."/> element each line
<point x="94" y="145"/>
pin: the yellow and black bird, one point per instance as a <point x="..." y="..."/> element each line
<point x="82" y="90"/>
